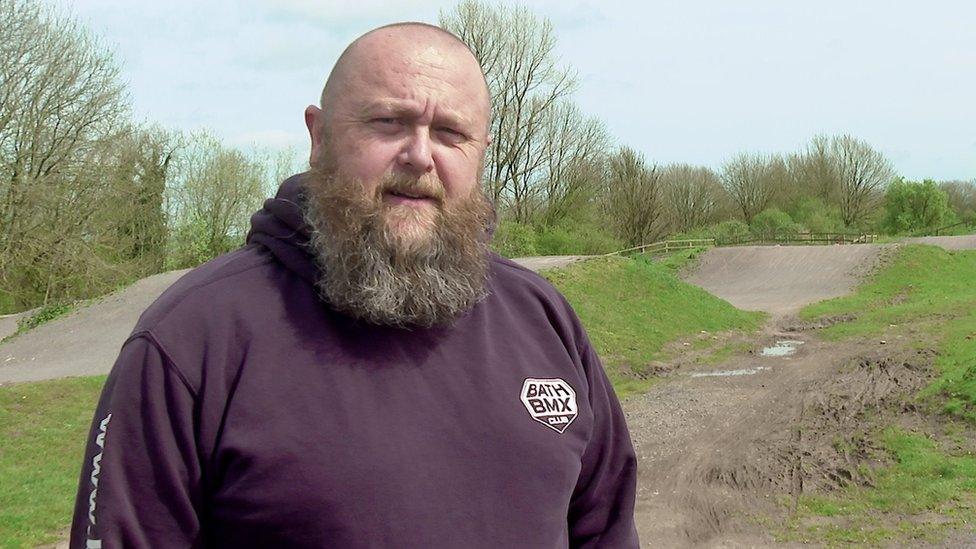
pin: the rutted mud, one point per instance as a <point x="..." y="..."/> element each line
<point x="717" y="452"/>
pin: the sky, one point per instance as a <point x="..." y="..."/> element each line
<point x="693" y="81"/>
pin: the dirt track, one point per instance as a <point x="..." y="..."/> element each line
<point x="782" y="279"/>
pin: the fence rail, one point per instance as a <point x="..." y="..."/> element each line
<point x="667" y="246"/>
<point x="802" y="238"/>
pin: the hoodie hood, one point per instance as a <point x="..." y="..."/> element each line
<point x="280" y="227"/>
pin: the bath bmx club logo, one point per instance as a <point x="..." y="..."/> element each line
<point x="551" y="402"/>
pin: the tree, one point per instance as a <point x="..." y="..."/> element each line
<point x="862" y="173"/>
<point x="962" y="198"/>
<point x="750" y="180"/>
<point x="61" y="105"/>
<point x="691" y="195"/>
<point x="516" y="50"/>
<point x="574" y="147"/>
<point x="215" y="191"/>
<point x="633" y="198"/>
<point x="913" y="207"/>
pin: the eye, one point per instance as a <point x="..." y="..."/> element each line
<point x="385" y="121"/>
<point x="452" y="133"/>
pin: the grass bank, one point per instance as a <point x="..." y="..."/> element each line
<point x="43" y="427"/>
<point x="632" y="307"/>
<point x="925" y="297"/>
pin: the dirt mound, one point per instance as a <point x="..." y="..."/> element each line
<point x="782" y="279"/>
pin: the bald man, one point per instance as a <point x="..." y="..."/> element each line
<point x="364" y="372"/>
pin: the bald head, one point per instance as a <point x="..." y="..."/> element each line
<point x="409" y="41"/>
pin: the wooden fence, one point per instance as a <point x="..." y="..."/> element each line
<point x="801" y="238"/>
<point x="667" y="246"/>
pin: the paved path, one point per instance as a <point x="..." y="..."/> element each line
<point x="86" y="342"/>
<point x="82" y="343"/>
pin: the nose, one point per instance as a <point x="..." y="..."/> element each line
<point x="415" y="158"/>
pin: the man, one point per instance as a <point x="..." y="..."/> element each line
<point x="364" y="373"/>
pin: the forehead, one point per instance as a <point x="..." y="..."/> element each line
<point x="398" y="73"/>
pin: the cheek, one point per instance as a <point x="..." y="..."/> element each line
<point x="458" y="173"/>
<point x="365" y="160"/>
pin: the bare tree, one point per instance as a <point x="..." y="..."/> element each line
<point x="750" y="180"/>
<point x="691" y="195"/>
<point x="862" y="175"/>
<point x="962" y="198"/>
<point x="61" y="105"/>
<point x="633" y="198"/>
<point x="215" y="191"/>
<point x="812" y="172"/>
<point x="516" y="50"/>
<point x="575" y="149"/>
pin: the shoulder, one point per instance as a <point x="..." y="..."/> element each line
<point x="206" y="319"/>
<point x="202" y="287"/>
<point x="517" y="287"/>
<point x="509" y="275"/>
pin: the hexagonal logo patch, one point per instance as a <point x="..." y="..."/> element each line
<point x="551" y="402"/>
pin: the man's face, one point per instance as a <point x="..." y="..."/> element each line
<point x="399" y="225"/>
<point x="408" y="121"/>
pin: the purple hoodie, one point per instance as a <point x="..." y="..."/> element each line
<point x="244" y="412"/>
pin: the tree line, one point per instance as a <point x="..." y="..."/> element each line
<point x="562" y="185"/>
<point x="91" y="199"/>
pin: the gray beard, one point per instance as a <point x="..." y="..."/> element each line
<point x="369" y="273"/>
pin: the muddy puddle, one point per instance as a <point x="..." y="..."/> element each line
<point x="730" y="373"/>
<point x="784" y="347"/>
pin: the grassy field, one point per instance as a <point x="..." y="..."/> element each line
<point x="632" y="307"/>
<point x="927" y="297"/>
<point x="43" y="427"/>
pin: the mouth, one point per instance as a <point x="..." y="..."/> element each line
<point x="415" y="197"/>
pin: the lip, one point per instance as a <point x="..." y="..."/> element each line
<point x="409" y="200"/>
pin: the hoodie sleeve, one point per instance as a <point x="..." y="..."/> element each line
<point x="601" y="513"/>
<point x="140" y="483"/>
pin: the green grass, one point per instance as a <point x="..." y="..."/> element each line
<point x="927" y="295"/>
<point x="632" y="307"/>
<point x="934" y="292"/>
<point x="922" y="478"/>
<point x="45" y="314"/>
<point x="43" y="427"/>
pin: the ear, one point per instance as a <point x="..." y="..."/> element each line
<point x="314" y="118"/>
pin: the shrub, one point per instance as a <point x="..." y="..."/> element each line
<point x="772" y="222"/>
<point x="916" y="207"/>
<point x="816" y="216"/>
<point x="513" y="239"/>
<point x="731" y="231"/>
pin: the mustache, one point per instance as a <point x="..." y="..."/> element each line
<point x="427" y="187"/>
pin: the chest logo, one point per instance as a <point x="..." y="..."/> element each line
<point x="551" y="402"/>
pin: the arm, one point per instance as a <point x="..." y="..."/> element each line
<point x="601" y="513"/>
<point x="140" y="483"/>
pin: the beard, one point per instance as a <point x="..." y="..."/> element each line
<point x="390" y="263"/>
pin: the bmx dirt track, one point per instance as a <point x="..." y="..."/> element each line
<point x="716" y="450"/>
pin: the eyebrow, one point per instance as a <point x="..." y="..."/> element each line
<point x="412" y="109"/>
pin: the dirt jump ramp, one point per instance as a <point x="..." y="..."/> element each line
<point x="782" y="279"/>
